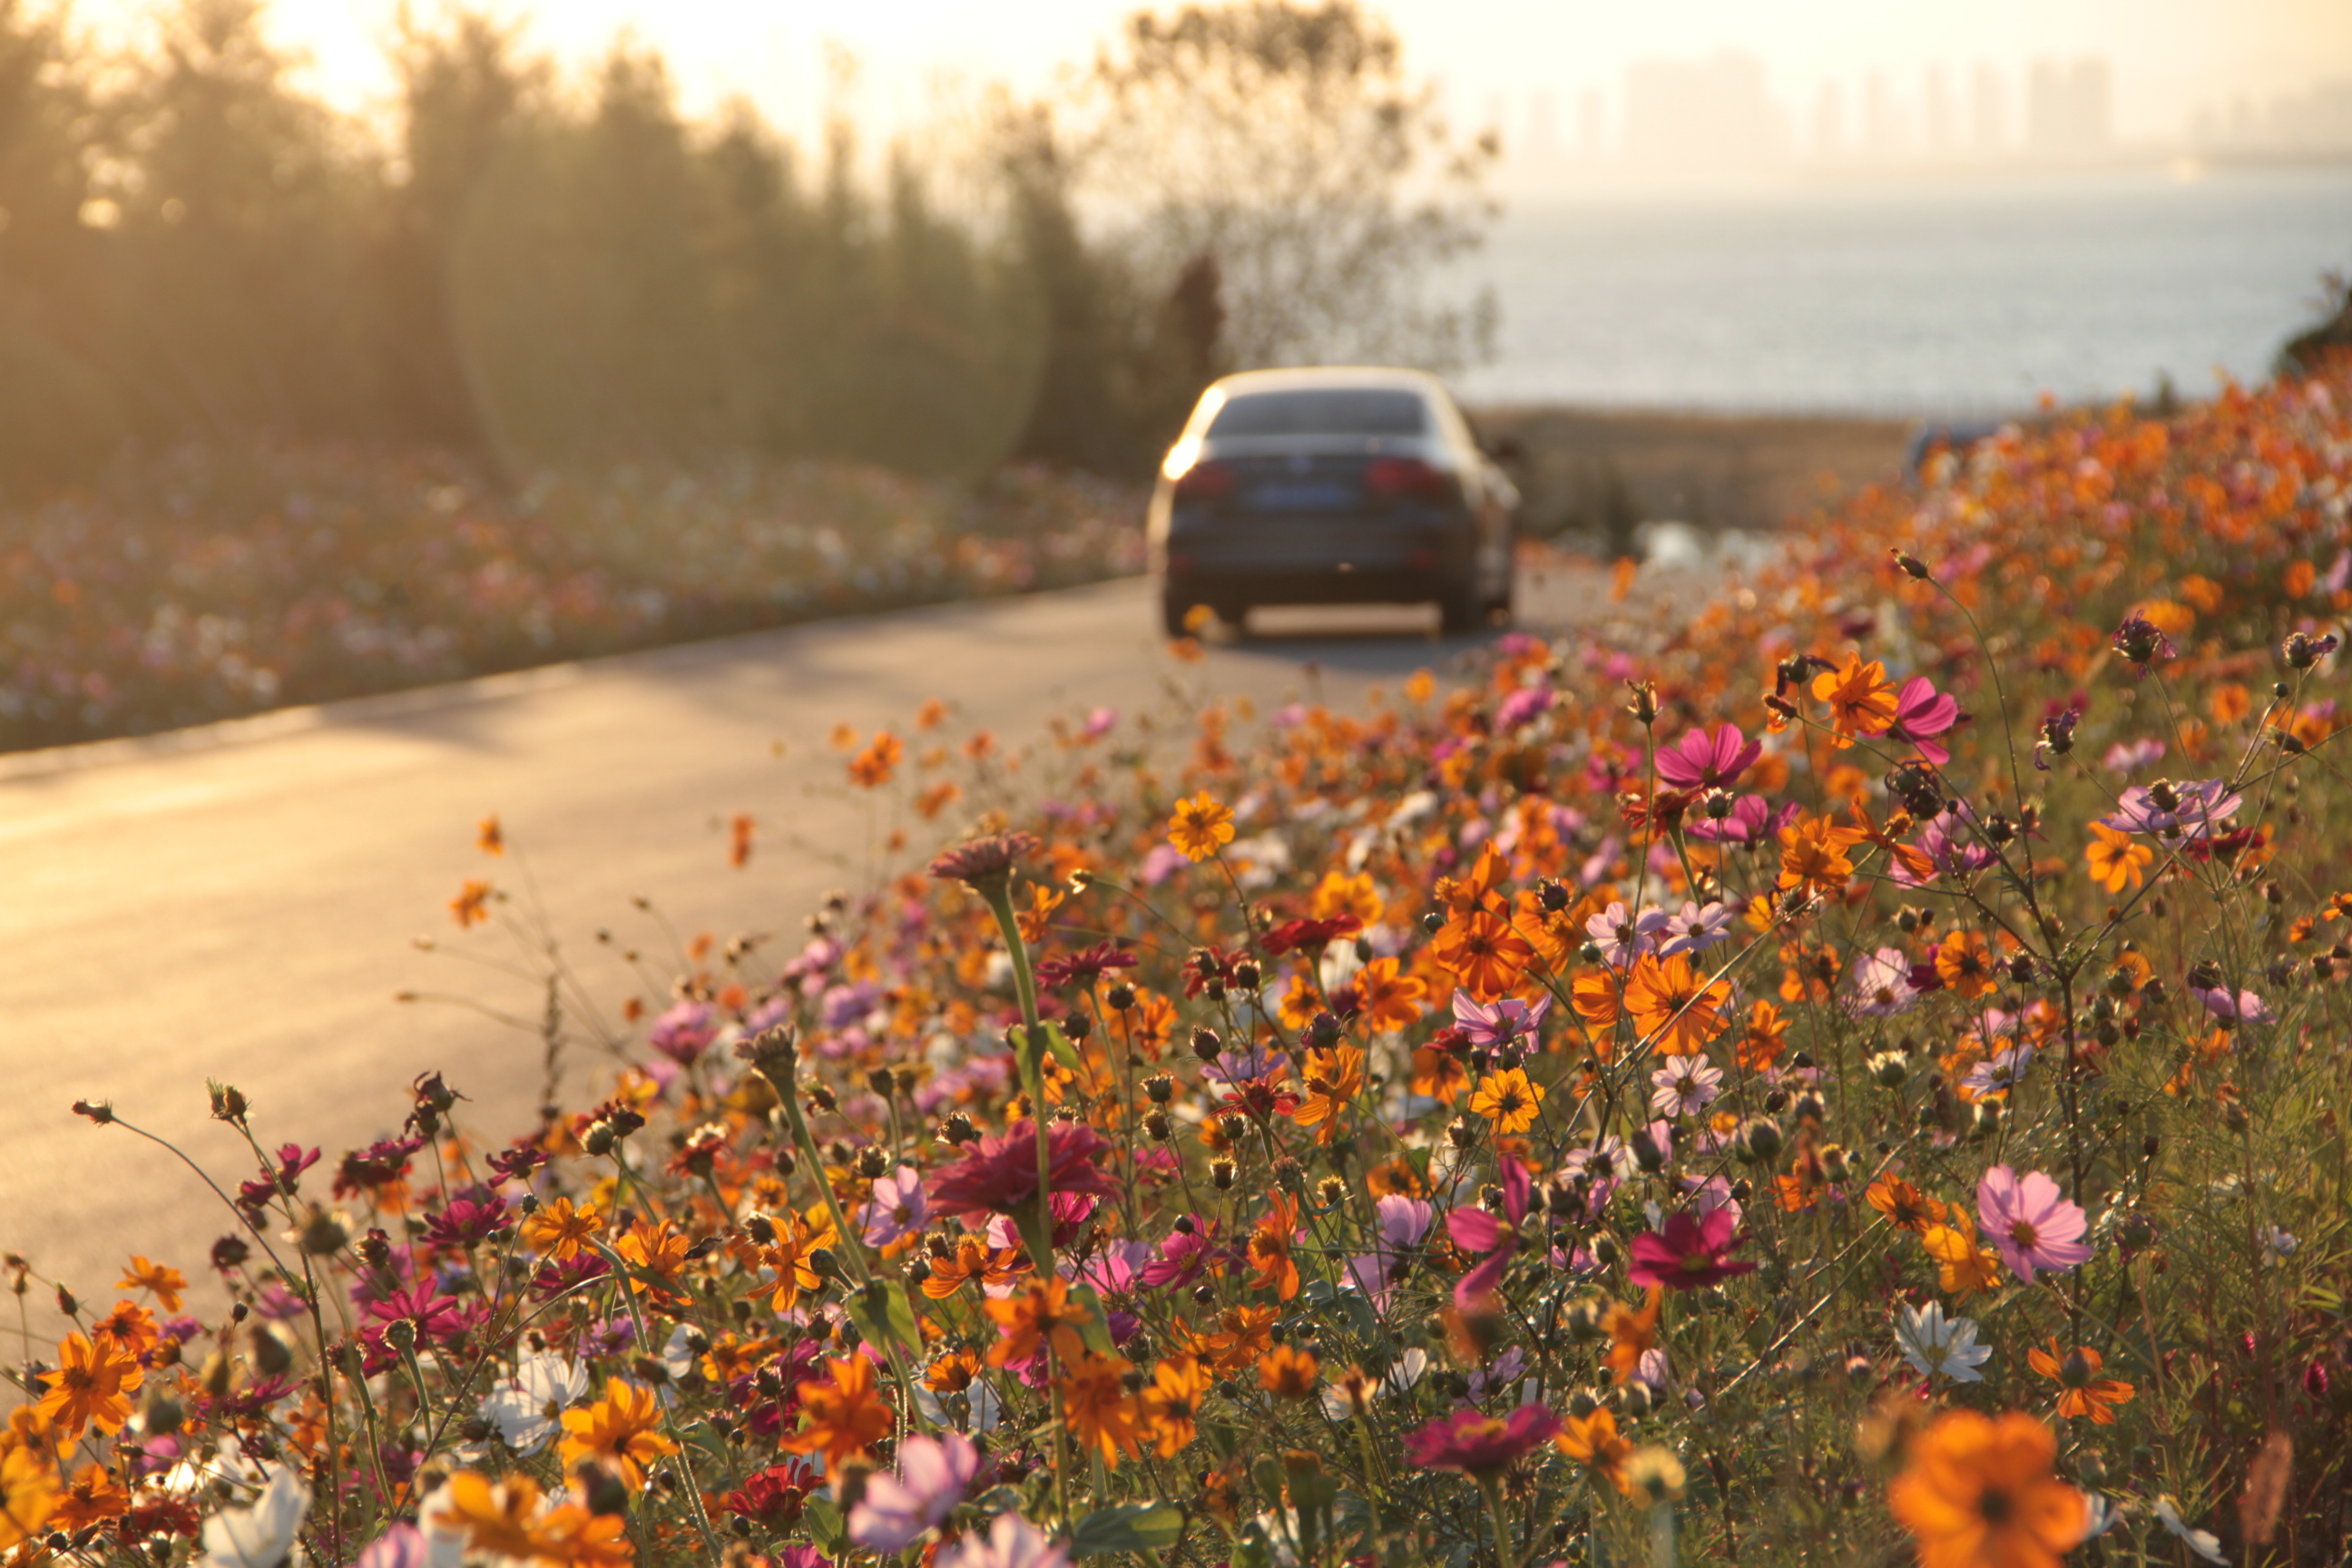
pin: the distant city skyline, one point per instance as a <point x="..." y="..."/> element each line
<point x="2253" y="75"/>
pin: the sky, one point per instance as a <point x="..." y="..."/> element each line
<point x="2169" y="55"/>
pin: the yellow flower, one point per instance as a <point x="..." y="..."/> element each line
<point x="1509" y="1100"/>
<point x="1332" y="1079"/>
<point x="2116" y="858"/>
<point x="1200" y="827"/>
<point x="1860" y="698"/>
<point x="1980" y="1491"/>
<point x="1968" y="1266"/>
<point x="92" y="1385"/>
<point x="157" y="1280"/>
<point x="29" y="1495"/>
<point x="844" y="1415"/>
<point x="1171" y="1404"/>
<point x="618" y="1427"/>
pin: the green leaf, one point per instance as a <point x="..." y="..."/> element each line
<point x="1059" y="1045"/>
<point x="1096" y="1329"/>
<point x="884" y="1315"/>
<point x="1135" y="1527"/>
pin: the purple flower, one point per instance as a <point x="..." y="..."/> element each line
<point x="467" y="1222"/>
<point x="1921" y="713"/>
<point x="1698" y="760"/>
<point x="2130" y="756"/>
<point x="2236" y="1007"/>
<point x="933" y="1474"/>
<point x="2142" y="642"/>
<point x="1499" y="1023"/>
<point x="1687" y="1086"/>
<point x="1695" y="929"/>
<point x="898" y="1208"/>
<point x="2175" y="811"/>
<point x="1624" y="937"/>
<point x="1939" y="841"/>
<point x="2030" y="1222"/>
<point x="685" y="1031"/>
<point x="1012" y="1542"/>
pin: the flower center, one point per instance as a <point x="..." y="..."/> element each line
<point x="1995" y="1506"/>
<point x="2024" y="1233"/>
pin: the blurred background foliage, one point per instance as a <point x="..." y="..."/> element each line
<point x="531" y="267"/>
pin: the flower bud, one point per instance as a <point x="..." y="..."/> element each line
<point x="1758" y="1141"/>
<point x="1911" y="565"/>
<point x="1205" y="1043"/>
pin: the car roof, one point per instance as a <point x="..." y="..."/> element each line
<point x="1366" y="377"/>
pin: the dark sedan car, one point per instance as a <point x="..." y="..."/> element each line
<point x="1331" y="487"/>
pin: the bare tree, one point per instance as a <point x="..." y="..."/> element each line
<point x="1286" y="143"/>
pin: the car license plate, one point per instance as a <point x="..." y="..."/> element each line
<point x="1302" y="496"/>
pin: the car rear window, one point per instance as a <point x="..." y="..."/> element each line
<point x="1323" y="411"/>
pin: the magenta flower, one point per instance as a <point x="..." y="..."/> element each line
<point x="1185" y="1255"/>
<point x="2236" y="1007"/>
<point x="1921" y="713"/>
<point x="1698" y="760"/>
<point x="1691" y="1252"/>
<point x="685" y="1031"/>
<point x="2175" y="811"/>
<point x="1751" y="821"/>
<point x="1403" y="1222"/>
<point x="1475" y="1231"/>
<point x="933" y="1474"/>
<point x="2030" y="1222"/>
<point x="1478" y="1445"/>
<point x="1000" y="1174"/>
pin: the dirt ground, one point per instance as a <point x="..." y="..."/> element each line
<point x="1601" y="472"/>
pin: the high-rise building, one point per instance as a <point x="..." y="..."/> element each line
<point x="2070" y="112"/>
<point x="1938" y="119"/>
<point x="1987" y="110"/>
<point x="1701" y="117"/>
<point x="1827" y="142"/>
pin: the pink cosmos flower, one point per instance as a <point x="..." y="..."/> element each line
<point x="1751" y="821"/>
<point x="898" y="1208"/>
<point x="1882" y="984"/>
<point x="1012" y="1542"/>
<point x="1922" y="713"/>
<point x="1499" y="1023"/>
<point x="685" y="1031"/>
<point x="1700" y="761"/>
<point x="1000" y="1174"/>
<point x="1691" y="1251"/>
<point x="933" y="1474"/>
<point x="1622" y="936"/>
<point x="1497" y="1236"/>
<point x="1403" y="1222"/>
<point x="2237" y="1008"/>
<point x="2030" y="1222"/>
<point x="1478" y="1445"/>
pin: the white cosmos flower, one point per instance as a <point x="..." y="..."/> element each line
<point x="527" y="1407"/>
<point x="1940" y="1346"/>
<point x="2203" y="1542"/>
<point x="262" y="1536"/>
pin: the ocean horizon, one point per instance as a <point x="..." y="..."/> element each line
<point x="1958" y="298"/>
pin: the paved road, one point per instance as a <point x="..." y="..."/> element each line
<point x="240" y="903"/>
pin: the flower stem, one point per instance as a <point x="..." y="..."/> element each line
<point x="1494" y="1492"/>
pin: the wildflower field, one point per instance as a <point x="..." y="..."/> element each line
<point x="1856" y="1075"/>
<point x="193" y="585"/>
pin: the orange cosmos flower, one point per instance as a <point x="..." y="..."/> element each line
<point x="1509" y="1100"/>
<point x="1483" y="952"/>
<point x="872" y="768"/>
<point x="1964" y="962"/>
<point x="472" y="905"/>
<point x="1813" y="855"/>
<point x="94" y="1496"/>
<point x="129" y="1326"/>
<point x="1905" y="1205"/>
<point x="91" y="1386"/>
<point x="798" y="1238"/>
<point x="842" y="1417"/>
<point x="659" y="1250"/>
<point x="1332" y="1079"/>
<point x="162" y="1283"/>
<point x="1170" y="1403"/>
<point x="571" y="1536"/>
<point x="1438" y="1073"/>
<point x="1201" y="825"/>
<point x="2116" y="859"/>
<point x="1673" y="1007"/>
<point x="2084" y="1391"/>
<point x="1100" y="1412"/>
<point x="1966" y="1267"/>
<point x="1630" y="1333"/>
<point x="1593" y="1441"/>
<point x="1768" y="1033"/>
<point x="557" y="1230"/>
<point x="29" y="1495"/>
<point x="1389" y="998"/>
<point x="1860" y="698"/>
<point x="619" y="1429"/>
<point x="1338" y="894"/>
<point x="972" y="1258"/>
<point x="1595" y="996"/>
<point x="1979" y="1493"/>
<point x="1269" y="1249"/>
<point x="1038" y="1315"/>
<point x="495" y="1517"/>
<point x="1288" y="1372"/>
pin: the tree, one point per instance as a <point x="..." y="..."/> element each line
<point x="1286" y="142"/>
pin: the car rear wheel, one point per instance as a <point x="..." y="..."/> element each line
<point x="1176" y="602"/>
<point x="1459" y="608"/>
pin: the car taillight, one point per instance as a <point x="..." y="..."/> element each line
<point x="1392" y="478"/>
<point x="1206" y="483"/>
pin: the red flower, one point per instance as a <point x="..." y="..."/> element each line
<point x="1688" y="1254"/>
<point x="1083" y="968"/>
<point x="1304" y="935"/>
<point x="1000" y="1174"/>
<point x="984" y="863"/>
<point x="1480" y="1445"/>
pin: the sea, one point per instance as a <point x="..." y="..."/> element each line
<point x="1957" y="299"/>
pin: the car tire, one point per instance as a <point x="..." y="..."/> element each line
<point x="1458" y="607"/>
<point x="1236" y="619"/>
<point x="1176" y="602"/>
<point x="1499" y="608"/>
